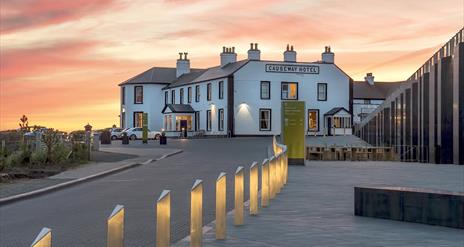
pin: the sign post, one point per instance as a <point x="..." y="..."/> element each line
<point x="145" y="127"/>
<point x="293" y="130"/>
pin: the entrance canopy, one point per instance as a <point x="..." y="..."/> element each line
<point x="177" y="108"/>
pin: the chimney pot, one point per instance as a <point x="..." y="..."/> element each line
<point x="180" y="55"/>
<point x="185" y="55"/>
<point x="256" y="46"/>
<point x="251" y="46"/>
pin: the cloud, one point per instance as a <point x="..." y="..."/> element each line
<point x="19" y="15"/>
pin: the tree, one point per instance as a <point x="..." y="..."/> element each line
<point x="24" y="124"/>
<point x="50" y="138"/>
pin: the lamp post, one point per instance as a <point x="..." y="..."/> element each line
<point x="88" y="130"/>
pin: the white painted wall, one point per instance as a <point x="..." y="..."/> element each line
<point x="248" y="100"/>
<point x="153" y="103"/>
<point x="203" y="105"/>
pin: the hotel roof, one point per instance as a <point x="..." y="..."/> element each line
<point x="380" y="90"/>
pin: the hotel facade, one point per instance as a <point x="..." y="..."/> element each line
<point x="239" y="97"/>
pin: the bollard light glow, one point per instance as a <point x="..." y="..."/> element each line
<point x="115" y="236"/>
<point x="163" y="219"/>
<point x="238" y="202"/>
<point x="254" y="189"/>
<point x="196" y="214"/>
<point x="221" y="206"/>
<point x="265" y="183"/>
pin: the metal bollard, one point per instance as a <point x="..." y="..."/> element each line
<point x="265" y="183"/>
<point x="43" y="239"/>
<point x="254" y="189"/>
<point x="196" y="214"/>
<point x="115" y="237"/>
<point x="163" y="219"/>
<point x="238" y="210"/>
<point x="272" y="178"/>
<point x="221" y="184"/>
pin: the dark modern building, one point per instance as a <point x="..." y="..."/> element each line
<point x="424" y="118"/>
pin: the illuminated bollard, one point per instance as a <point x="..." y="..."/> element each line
<point x="196" y="214"/>
<point x="163" y="219"/>
<point x="272" y="184"/>
<point x="238" y="210"/>
<point x="286" y="165"/>
<point x="278" y="174"/>
<point x="265" y="183"/>
<point x="254" y="189"/>
<point x="115" y="237"/>
<point x="221" y="206"/>
<point x="44" y="239"/>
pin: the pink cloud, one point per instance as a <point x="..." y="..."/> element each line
<point x="27" y="14"/>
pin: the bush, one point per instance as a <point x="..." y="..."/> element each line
<point x="15" y="159"/>
<point x="38" y="158"/>
<point x="79" y="152"/>
<point x="59" y="154"/>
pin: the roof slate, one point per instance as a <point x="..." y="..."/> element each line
<point x="380" y="90"/>
<point x="179" y="108"/>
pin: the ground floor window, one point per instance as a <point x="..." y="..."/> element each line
<point x="183" y="122"/>
<point x="138" y="119"/>
<point x="221" y="120"/>
<point x="168" y="122"/>
<point x="208" y="120"/>
<point x="123" y="120"/>
<point x="197" y="120"/>
<point x="313" y="120"/>
<point x="264" y="119"/>
<point x="342" y="122"/>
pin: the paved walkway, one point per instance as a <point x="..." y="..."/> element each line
<point x="339" y="141"/>
<point x="316" y="209"/>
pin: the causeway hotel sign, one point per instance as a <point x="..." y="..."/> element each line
<point x="288" y="68"/>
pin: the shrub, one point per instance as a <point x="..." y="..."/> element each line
<point x="60" y="154"/>
<point x="79" y="152"/>
<point x="38" y="158"/>
<point x="16" y="158"/>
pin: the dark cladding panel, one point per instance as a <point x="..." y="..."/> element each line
<point x="408" y="122"/>
<point x="415" y="122"/>
<point x="386" y="124"/>
<point x="460" y="125"/>
<point x="392" y="123"/>
<point x="446" y="150"/>
<point x="425" y="117"/>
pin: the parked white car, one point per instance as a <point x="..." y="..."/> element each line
<point x="137" y="133"/>
<point x="116" y="133"/>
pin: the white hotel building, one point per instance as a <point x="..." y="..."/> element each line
<point x="239" y="98"/>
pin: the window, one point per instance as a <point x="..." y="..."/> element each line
<point x="168" y="122"/>
<point x="197" y="120"/>
<point x="173" y="96"/>
<point x="367" y="101"/>
<point x="208" y="92"/>
<point x="221" y="90"/>
<point x="166" y="97"/>
<point x="189" y="94"/>
<point x="138" y="95"/>
<point x="265" y="90"/>
<point x="197" y="93"/>
<point x="221" y="120"/>
<point x="123" y="95"/>
<point x="313" y="120"/>
<point x="138" y="119"/>
<point x="289" y="90"/>
<point x="264" y="119"/>
<point x="322" y="91"/>
<point x="342" y="122"/>
<point x="181" y="96"/>
<point x="208" y="120"/>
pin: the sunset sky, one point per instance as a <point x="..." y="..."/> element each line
<point x="61" y="61"/>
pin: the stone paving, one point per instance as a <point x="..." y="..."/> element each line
<point x="316" y="208"/>
<point x="339" y="141"/>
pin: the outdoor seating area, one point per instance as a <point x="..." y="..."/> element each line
<point x="351" y="153"/>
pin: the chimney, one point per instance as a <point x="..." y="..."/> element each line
<point x="228" y="55"/>
<point x="253" y="52"/>
<point x="369" y="78"/>
<point x="183" y="64"/>
<point x="328" y="56"/>
<point x="289" y="54"/>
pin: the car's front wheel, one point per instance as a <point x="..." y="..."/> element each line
<point x="133" y="137"/>
<point x="157" y="136"/>
<point x="113" y="137"/>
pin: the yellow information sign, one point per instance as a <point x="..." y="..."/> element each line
<point x="293" y="130"/>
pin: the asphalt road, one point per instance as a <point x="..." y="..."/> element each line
<point x="77" y="215"/>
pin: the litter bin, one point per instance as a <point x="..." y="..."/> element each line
<point x="105" y="137"/>
<point x="125" y="138"/>
<point x="163" y="139"/>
